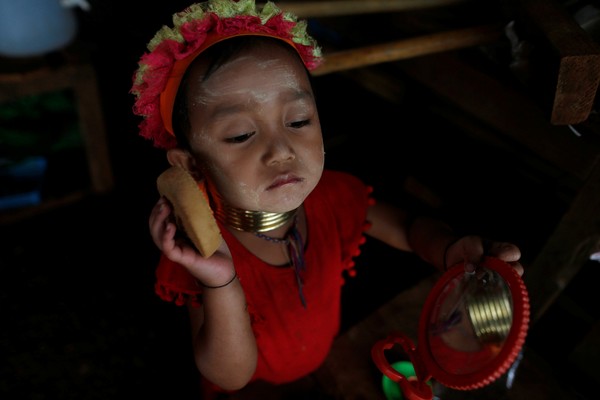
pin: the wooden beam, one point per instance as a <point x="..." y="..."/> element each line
<point x="306" y="9"/>
<point x="408" y="48"/>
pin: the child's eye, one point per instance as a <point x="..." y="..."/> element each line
<point x="299" y="124"/>
<point x="240" y="138"/>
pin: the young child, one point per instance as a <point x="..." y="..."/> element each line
<point x="227" y="93"/>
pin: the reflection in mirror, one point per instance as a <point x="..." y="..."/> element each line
<point x="470" y="321"/>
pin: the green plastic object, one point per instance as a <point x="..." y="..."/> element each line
<point x="390" y="388"/>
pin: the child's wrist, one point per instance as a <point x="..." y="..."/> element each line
<point x="430" y="239"/>
<point x="445" y="264"/>
<point x="219" y="286"/>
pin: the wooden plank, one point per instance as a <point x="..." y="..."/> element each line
<point x="575" y="238"/>
<point x="15" y="86"/>
<point x="93" y="129"/>
<point x="15" y="215"/>
<point x="408" y="48"/>
<point x="306" y="9"/>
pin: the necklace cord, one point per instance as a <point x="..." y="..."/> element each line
<point x="258" y="222"/>
<point x="295" y="247"/>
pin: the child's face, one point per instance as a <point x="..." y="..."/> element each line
<point x="255" y="130"/>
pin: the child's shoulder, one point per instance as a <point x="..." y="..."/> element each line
<point x="335" y="184"/>
<point x="331" y="176"/>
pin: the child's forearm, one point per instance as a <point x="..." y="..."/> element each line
<point x="429" y="238"/>
<point x="224" y="344"/>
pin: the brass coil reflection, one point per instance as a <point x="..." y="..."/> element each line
<point x="491" y="315"/>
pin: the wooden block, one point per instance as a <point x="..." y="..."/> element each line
<point x="577" y="57"/>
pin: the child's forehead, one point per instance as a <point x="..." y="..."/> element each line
<point x="251" y="89"/>
<point x="268" y="59"/>
<point x="255" y="80"/>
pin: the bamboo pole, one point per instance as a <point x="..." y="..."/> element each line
<point x="305" y="9"/>
<point x="408" y="48"/>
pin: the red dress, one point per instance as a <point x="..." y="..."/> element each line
<point x="293" y="341"/>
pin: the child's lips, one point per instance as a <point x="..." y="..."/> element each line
<point x="284" y="180"/>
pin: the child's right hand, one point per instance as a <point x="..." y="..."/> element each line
<point x="213" y="271"/>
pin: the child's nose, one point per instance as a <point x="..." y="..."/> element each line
<point x="279" y="149"/>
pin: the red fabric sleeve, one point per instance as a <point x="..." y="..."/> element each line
<point x="175" y="284"/>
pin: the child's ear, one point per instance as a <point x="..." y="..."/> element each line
<point x="183" y="159"/>
<point x="180" y="158"/>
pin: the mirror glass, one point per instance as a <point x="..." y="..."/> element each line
<point x="470" y="321"/>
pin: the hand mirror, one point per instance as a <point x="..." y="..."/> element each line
<point x="472" y="328"/>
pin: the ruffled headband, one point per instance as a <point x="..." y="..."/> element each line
<point x="199" y="26"/>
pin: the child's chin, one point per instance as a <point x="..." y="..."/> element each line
<point x="285" y="205"/>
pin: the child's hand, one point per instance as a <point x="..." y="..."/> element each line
<point x="213" y="271"/>
<point x="472" y="248"/>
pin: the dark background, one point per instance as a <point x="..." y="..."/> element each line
<point x="80" y="316"/>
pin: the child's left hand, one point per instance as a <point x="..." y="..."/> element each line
<point x="472" y="248"/>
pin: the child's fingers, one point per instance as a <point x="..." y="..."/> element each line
<point x="505" y="251"/>
<point x="162" y="229"/>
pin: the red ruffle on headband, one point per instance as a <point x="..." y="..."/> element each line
<point x="196" y="28"/>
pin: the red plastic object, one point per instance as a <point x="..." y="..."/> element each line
<point x="494" y="339"/>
